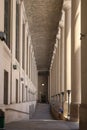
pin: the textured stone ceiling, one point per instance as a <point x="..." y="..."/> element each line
<point x="43" y="16"/>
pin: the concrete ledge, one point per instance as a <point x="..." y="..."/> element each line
<point x="20" y="111"/>
<point x="83" y="117"/>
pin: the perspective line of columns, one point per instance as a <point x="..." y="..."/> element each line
<point x="68" y="59"/>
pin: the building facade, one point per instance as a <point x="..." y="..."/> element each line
<point x="18" y="71"/>
<point x="67" y="75"/>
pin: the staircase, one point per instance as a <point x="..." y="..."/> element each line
<point x="42" y="120"/>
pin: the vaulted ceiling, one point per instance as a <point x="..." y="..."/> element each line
<point x="43" y="17"/>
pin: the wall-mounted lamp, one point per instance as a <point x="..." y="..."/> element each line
<point x="83" y="35"/>
<point x="2" y="36"/>
<point x="14" y="67"/>
<point x="42" y="84"/>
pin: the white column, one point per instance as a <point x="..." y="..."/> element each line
<point x="56" y="45"/>
<point x="67" y="9"/>
<point x="57" y="85"/>
<point x="62" y="56"/>
<point x="56" y="70"/>
<point x="62" y="51"/>
<point x="60" y="64"/>
<point x="56" y="63"/>
<point x="68" y="47"/>
<point x="55" y="73"/>
<point x="60" y="59"/>
<point x="50" y="87"/>
<point x="53" y="76"/>
<point x="83" y="107"/>
<point x="76" y="60"/>
<point x="58" y="38"/>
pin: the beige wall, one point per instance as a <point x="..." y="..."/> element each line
<point x="7" y="60"/>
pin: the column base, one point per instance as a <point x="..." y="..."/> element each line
<point x="65" y="113"/>
<point x="83" y="117"/>
<point x="74" y="112"/>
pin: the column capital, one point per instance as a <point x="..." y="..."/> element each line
<point x="56" y="44"/>
<point x="51" y="62"/>
<point x="31" y="47"/>
<point x="53" y="58"/>
<point x="66" y="4"/>
<point x="59" y="33"/>
<point x="61" y="23"/>
<point x="32" y="50"/>
<point x="54" y="52"/>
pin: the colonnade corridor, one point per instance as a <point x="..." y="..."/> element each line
<point x="42" y="120"/>
<point x="43" y="64"/>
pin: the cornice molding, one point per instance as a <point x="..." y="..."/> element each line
<point x="66" y="4"/>
<point x="61" y="23"/>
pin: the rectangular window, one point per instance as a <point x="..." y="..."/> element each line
<point x="27" y="58"/>
<point x="22" y="92"/>
<point x="7" y="14"/>
<point x="23" y="46"/>
<point x="29" y="95"/>
<point x="26" y="93"/>
<point x="17" y="30"/>
<point x="16" y="90"/>
<point x="5" y="87"/>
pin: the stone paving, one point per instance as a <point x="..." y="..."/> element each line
<point x="42" y="120"/>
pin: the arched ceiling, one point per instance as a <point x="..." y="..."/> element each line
<point x="43" y="17"/>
